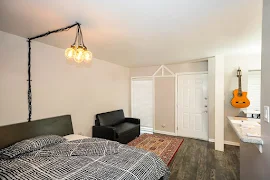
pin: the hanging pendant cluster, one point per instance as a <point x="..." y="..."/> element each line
<point x="78" y="51"/>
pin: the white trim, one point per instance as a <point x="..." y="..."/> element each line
<point x="164" y="76"/>
<point x="232" y="143"/>
<point x="154" y="104"/>
<point x="176" y="105"/>
<point x="162" y="68"/>
<point x="227" y="142"/>
<point x="141" y="77"/>
<point x="168" y="70"/>
<point x="165" y="132"/>
<point x="146" y="130"/>
<point x="176" y="99"/>
<point x="157" y="70"/>
<point x="131" y="98"/>
<point x="191" y="73"/>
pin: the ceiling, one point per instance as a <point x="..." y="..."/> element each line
<point x="142" y="32"/>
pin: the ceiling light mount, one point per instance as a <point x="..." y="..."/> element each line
<point x="78" y="51"/>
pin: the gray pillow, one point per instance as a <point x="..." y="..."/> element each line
<point x="30" y="145"/>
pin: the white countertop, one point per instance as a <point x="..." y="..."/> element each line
<point x="251" y="111"/>
<point x="245" y="126"/>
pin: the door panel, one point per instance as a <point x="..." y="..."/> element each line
<point x="192" y="106"/>
<point x="142" y="101"/>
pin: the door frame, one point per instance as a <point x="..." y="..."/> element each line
<point x="176" y="100"/>
<point x="153" y="96"/>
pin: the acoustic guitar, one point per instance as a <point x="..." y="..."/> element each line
<point x="239" y="99"/>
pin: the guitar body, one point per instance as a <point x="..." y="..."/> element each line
<point x="240" y="101"/>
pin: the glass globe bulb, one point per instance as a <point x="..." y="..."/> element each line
<point x="79" y="56"/>
<point x="70" y="52"/>
<point x="87" y="56"/>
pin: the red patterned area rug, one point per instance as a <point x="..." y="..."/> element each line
<point x="162" y="145"/>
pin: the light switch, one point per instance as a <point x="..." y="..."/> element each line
<point x="266" y="114"/>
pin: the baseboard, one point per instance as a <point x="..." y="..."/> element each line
<point x="165" y="132"/>
<point x="146" y="130"/>
<point x="232" y="143"/>
<point x="227" y="142"/>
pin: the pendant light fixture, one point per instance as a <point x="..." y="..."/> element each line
<point x="78" y="51"/>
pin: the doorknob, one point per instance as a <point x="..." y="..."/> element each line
<point x="205" y="98"/>
<point x="205" y="106"/>
<point x="205" y="111"/>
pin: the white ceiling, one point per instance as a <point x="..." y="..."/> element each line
<point x="142" y="32"/>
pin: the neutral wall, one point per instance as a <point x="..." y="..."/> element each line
<point x="211" y="97"/>
<point x="164" y="104"/>
<point x="219" y="103"/>
<point x="254" y="165"/>
<point x="232" y="63"/>
<point x="58" y="87"/>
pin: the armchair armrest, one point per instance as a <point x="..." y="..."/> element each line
<point x="106" y="132"/>
<point x="133" y="120"/>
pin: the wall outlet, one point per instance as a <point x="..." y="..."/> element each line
<point x="266" y="114"/>
<point x="80" y="133"/>
<point x="163" y="125"/>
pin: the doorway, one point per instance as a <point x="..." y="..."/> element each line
<point x="142" y="105"/>
<point x="192" y="105"/>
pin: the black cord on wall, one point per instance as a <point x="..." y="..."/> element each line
<point x="29" y="82"/>
<point x="29" y="63"/>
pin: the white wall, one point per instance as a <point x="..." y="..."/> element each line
<point x="211" y="97"/>
<point x="219" y="105"/>
<point x="58" y="87"/>
<point x="232" y="62"/>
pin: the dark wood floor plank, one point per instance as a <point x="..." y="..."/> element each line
<point x="198" y="160"/>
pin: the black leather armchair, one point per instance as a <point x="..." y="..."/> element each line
<point x="114" y="126"/>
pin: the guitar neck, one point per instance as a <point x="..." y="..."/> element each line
<point x="239" y="85"/>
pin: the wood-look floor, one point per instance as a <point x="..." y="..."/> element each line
<point x="198" y="160"/>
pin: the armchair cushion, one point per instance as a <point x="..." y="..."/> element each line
<point x="111" y="118"/>
<point x="133" y="120"/>
<point x="106" y="132"/>
<point x="125" y="127"/>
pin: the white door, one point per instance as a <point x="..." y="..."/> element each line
<point x="192" y="106"/>
<point x="142" y="102"/>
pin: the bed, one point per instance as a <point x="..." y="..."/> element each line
<point x="75" y="158"/>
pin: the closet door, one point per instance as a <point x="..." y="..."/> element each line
<point x="142" y="102"/>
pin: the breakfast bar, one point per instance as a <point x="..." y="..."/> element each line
<point x="248" y="130"/>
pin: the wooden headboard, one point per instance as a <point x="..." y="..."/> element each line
<point x="10" y="134"/>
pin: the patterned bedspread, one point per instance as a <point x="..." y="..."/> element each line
<point x="91" y="158"/>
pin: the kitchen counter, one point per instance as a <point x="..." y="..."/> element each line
<point x="247" y="129"/>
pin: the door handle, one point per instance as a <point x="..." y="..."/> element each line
<point x="205" y="112"/>
<point x="205" y="106"/>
